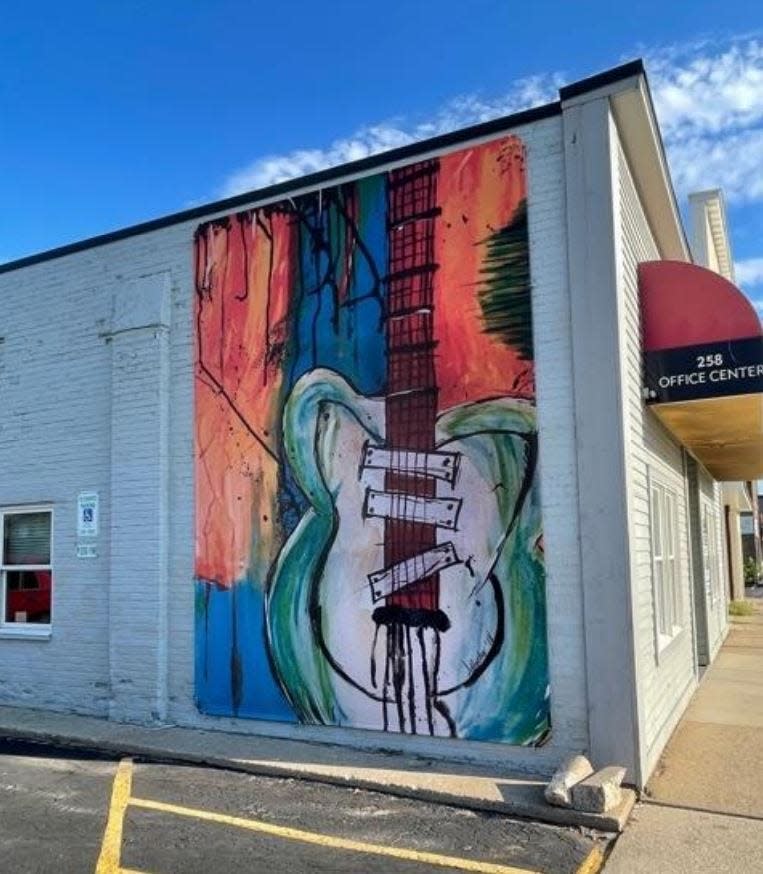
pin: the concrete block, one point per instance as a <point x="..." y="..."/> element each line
<point x="600" y="792"/>
<point x="572" y="771"/>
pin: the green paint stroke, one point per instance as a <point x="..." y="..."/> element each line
<point x="504" y="296"/>
<point x="303" y="671"/>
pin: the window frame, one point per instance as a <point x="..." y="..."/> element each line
<point x="710" y="528"/>
<point x="665" y="558"/>
<point x="33" y="630"/>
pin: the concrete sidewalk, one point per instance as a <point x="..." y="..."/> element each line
<point x="459" y="784"/>
<point x="704" y="806"/>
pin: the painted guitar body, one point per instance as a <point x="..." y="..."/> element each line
<point x="482" y="677"/>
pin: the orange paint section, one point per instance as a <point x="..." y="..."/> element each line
<point x="479" y="190"/>
<point x="243" y="276"/>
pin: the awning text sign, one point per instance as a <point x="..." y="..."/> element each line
<point x="689" y="373"/>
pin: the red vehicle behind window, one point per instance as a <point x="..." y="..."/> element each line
<point x="28" y="596"/>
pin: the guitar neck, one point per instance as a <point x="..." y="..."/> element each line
<point x="411" y="401"/>
<point x="411" y="384"/>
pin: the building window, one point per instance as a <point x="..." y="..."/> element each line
<point x="710" y="554"/>
<point x="665" y="564"/>
<point x="26" y="576"/>
<point x="746" y="524"/>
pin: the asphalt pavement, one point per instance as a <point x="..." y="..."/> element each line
<point x="65" y="810"/>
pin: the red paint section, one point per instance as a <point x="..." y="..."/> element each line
<point x="686" y="305"/>
<point x="479" y="190"/>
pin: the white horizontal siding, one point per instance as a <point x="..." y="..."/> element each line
<point x="664" y="678"/>
<point x="717" y="604"/>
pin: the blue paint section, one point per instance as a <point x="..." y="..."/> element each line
<point x="217" y="609"/>
<point x="333" y="326"/>
<point x="336" y="317"/>
<point x="366" y="367"/>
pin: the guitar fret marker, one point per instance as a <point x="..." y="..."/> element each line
<point x="438" y="465"/>
<point x="411" y="570"/>
<point x="442" y="512"/>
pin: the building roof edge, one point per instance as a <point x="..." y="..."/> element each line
<point x="284" y="189"/>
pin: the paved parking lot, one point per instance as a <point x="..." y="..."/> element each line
<point x="70" y="811"/>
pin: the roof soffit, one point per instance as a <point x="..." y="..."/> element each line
<point x="631" y="106"/>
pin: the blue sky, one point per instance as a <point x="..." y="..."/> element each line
<point x="111" y="113"/>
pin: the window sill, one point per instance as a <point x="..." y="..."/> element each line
<point x="26" y="633"/>
<point x="665" y="642"/>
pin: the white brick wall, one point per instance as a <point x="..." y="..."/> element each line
<point x="556" y="422"/>
<point x="96" y="396"/>
<point x="55" y="386"/>
<point x="139" y="497"/>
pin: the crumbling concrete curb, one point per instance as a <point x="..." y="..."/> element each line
<point x="524" y="801"/>
<point x="600" y="792"/>
<point x="572" y="771"/>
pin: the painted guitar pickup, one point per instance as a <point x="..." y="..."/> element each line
<point x="442" y="512"/>
<point x="406" y="573"/>
<point x="438" y="465"/>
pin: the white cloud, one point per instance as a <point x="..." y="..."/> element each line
<point x="277" y="168"/>
<point x="709" y="100"/>
<point x="749" y="272"/>
<point x="749" y="275"/>
<point x="733" y="162"/>
<point x="698" y="90"/>
<point x="370" y="140"/>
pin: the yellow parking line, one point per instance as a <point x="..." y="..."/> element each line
<point x="593" y="862"/>
<point x="294" y="834"/>
<point x="111" y="846"/>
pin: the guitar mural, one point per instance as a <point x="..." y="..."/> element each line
<point x="369" y="541"/>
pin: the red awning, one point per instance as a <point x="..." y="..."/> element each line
<point x="686" y="305"/>
<point x="703" y="365"/>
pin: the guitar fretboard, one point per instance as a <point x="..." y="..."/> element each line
<point x="411" y="402"/>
